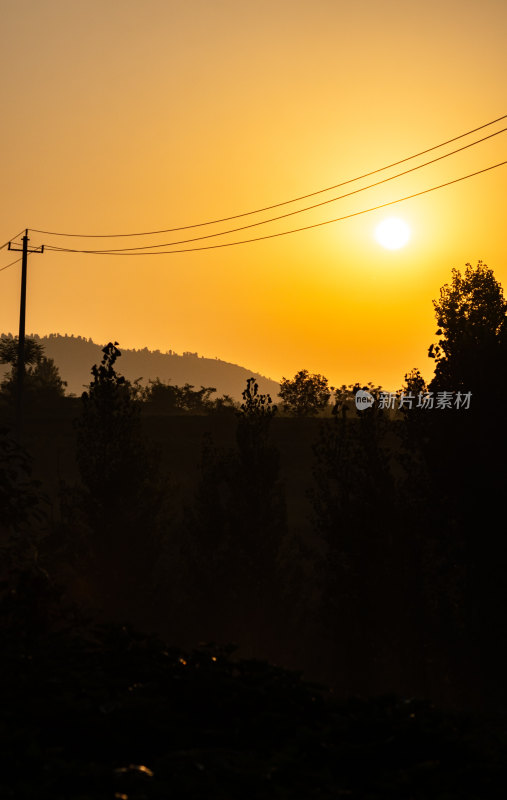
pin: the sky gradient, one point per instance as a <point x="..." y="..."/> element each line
<point x="126" y="117"/>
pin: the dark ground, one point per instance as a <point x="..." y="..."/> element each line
<point x="107" y="713"/>
<point x="102" y="711"/>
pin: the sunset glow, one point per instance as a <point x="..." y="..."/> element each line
<point x="109" y="129"/>
<point x="253" y="370"/>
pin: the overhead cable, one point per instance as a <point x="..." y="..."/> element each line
<point x="291" y="213"/>
<point x="274" y="205"/>
<point x="12" y="239"/>
<point x="283" y="233"/>
<point x="11" y="264"/>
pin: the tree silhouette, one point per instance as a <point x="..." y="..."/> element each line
<point x="224" y="405"/>
<point x="9" y="350"/>
<point x="464" y="457"/>
<point x="256" y="513"/>
<point x="235" y="526"/>
<point x="27" y="592"/>
<point x="354" y="515"/>
<point x="42" y="383"/>
<point x="305" y="394"/>
<point x="124" y="500"/>
<point x="19" y="493"/>
<point x="178" y="399"/>
<point x="471" y="315"/>
<point x="109" y="444"/>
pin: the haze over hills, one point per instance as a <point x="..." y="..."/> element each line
<point x="75" y="356"/>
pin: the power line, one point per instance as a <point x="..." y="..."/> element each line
<point x="275" y="205"/>
<point x="291" y="213"/>
<point x="11" y="264"/>
<point x="12" y="239"/>
<point x="284" y="233"/>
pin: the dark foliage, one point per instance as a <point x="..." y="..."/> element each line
<point x="471" y="315"/>
<point x="305" y="394"/>
<point x="9" y="345"/>
<point x="109" y="712"/>
<point x="110" y="449"/>
<point x="355" y="513"/>
<point x="124" y="505"/>
<point x="20" y="495"/>
<point x="185" y="399"/>
<point x="27" y="592"/>
<point x="42" y="384"/>
<point x="236" y="525"/>
<point x="461" y="453"/>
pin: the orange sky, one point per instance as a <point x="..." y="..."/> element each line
<point x="128" y="116"/>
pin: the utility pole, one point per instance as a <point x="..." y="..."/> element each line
<point x="21" y="338"/>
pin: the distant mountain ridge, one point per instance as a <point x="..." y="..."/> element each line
<point x="75" y="356"/>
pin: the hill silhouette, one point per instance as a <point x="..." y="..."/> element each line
<point x="75" y="355"/>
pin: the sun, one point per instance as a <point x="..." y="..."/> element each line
<point x="392" y="233"/>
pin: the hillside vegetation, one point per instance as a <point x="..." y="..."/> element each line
<point x="74" y="356"/>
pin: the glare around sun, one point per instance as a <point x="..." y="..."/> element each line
<point x="392" y="233"/>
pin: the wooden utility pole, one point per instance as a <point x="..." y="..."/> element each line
<point x="21" y="338"/>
